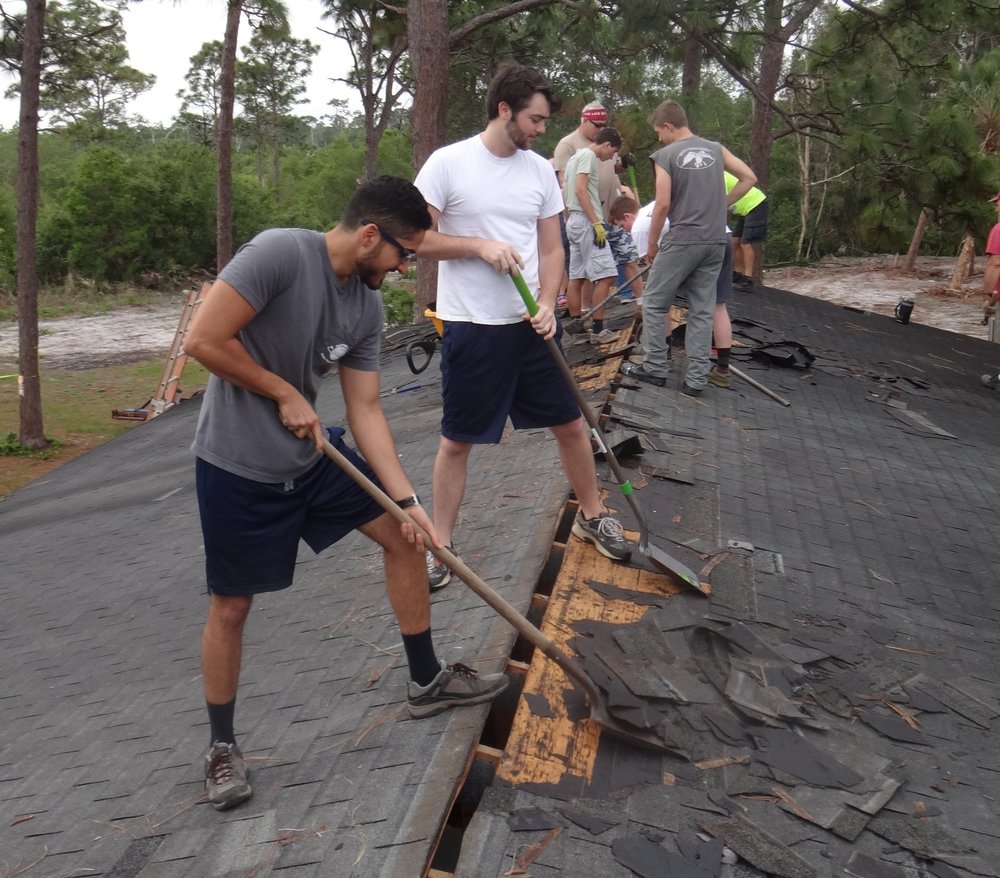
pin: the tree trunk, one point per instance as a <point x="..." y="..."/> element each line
<point x="691" y="77"/>
<point x="963" y="268"/>
<point x="918" y="237"/>
<point x="31" y="432"/>
<point x="224" y="139"/>
<point x="427" y="32"/>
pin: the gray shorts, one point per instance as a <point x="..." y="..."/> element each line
<point x="586" y="259"/>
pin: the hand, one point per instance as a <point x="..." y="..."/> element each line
<point x="600" y="236"/>
<point x="503" y="257"/>
<point x="544" y="321"/>
<point x="651" y="253"/>
<point x="420" y="516"/>
<point x="300" y="418"/>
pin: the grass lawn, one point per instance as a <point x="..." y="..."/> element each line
<point x="76" y="413"/>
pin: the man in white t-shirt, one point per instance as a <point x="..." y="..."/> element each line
<point x="496" y="206"/>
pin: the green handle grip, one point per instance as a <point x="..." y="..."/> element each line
<point x="631" y="179"/>
<point x="522" y="288"/>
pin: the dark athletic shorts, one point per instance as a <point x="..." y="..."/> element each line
<point x="252" y="529"/>
<point x="491" y="372"/>
<point x="724" y="285"/>
<point x="752" y="227"/>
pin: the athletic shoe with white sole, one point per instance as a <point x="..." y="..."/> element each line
<point x="227" y="780"/>
<point x="607" y="535"/>
<point x="438" y="576"/>
<point x="455" y="686"/>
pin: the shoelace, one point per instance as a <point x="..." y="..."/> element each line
<point x="432" y="563"/>
<point x="611" y="527"/>
<point x="220" y="765"/>
<point x="462" y="670"/>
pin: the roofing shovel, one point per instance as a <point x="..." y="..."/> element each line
<point x="660" y="559"/>
<point x="575" y="325"/>
<point x="598" y="708"/>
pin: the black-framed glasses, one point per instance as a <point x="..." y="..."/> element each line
<point x="406" y="254"/>
<point x="598" y="124"/>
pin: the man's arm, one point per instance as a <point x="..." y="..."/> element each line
<point x="502" y="256"/>
<point x="991" y="274"/>
<point x="581" y="189"/>
<point x="745" y="177"/>
<point x="660" y="210"/>
<point x="374" y="440"/>
<point x="212" y="341"/>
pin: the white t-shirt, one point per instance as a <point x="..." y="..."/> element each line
<point x="640" y="227"/>
<point x="482" y="195"/>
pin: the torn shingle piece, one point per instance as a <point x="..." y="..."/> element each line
<point x="533" y="818"/>
<point x="850" y="823"/>
<point x="862" y="866"/>
<point x="924" y="837"/>
<point x="538" y="705"/>
<point x="792" y="753"/>
<point x="758" y="848"/>
<point x="954" y="698"/>
<point x="890" y="724"/>
<point x="765" y="703"/>
<point x="593" y="825"/>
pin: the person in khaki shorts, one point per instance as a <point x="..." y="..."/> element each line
<point x="590" y="257"/>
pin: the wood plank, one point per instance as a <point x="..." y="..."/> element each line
<point x="546" y="749"/>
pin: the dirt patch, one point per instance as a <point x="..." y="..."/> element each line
<point x="878" y="283"/>
<point x="116" y="338"/>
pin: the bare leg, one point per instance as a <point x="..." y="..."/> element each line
<point x="746" y="250"/>
<point x="578" y="464"/>
<point x="738" y="256"/>
<point x="601" y="290"/>
<point x="405" y="574"/>
<point x="450" y="471"/>
<point x="574" y="297"/>
<point x="722" y="327"/>
<point x="635" y="283"/>
<point x="222" y="646"/>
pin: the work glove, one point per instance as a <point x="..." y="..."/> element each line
<point x="600" y="236"/>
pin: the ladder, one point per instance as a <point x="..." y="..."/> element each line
<point x="165" y="395"/>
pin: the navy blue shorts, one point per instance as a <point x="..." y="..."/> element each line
<point x="752" y="227"/>
<point x="491" y="372"/>
<point x="252" y="529"/>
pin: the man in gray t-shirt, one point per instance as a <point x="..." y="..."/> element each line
<point x="691" y="193"/>
<point x="292" y="307"/>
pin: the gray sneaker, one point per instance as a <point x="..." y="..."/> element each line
<point x="438" y="576"/>
<point x="605" y="336"/>
<point x="227" y="781"/>
<point x="455" y="686"/>
<point x="607" y="535"/>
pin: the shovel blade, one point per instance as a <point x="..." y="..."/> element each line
<point x="669" y="564"/>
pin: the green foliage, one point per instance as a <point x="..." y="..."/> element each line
<point x="10" y="447"/>
<point x="398" y="303"/>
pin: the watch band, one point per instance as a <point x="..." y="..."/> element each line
<point x="407" y="502"/>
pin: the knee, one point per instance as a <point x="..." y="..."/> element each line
<point x="569" y="433"/>
<point x="229" y="612"/>
<point x="452" y="451"/>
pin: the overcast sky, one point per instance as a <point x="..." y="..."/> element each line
<point x="162" y="36"/>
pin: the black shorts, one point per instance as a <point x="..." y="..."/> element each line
<point x="752" y="227"/>
<point x="490" y="373"/>
<point x="252" y="529"/>
<point x="724" y="285"/>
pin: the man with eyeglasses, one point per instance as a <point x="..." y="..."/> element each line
<point x="593" y="118"/>
<point x="292" y="307"/>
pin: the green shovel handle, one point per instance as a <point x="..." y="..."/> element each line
<point x="529" y="300"/>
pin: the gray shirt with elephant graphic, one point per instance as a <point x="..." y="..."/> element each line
<point x="697" y="191"/>
<point x="306" y="323"/>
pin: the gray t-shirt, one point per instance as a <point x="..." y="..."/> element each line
<point x="697" y="191"/>
<point x="306" y="323"/>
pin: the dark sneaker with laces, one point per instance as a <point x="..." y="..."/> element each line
<point x="719" y="378"/>
<point x="606" y="534"/>
<point x="638" y="372"/>
<point x="227" y="781"/>
<point x="455" y="686"/>
<point x="688" y="390"/>
<point x="438" y="576"/>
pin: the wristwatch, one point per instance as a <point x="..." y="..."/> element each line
<point x="407" y="502"/>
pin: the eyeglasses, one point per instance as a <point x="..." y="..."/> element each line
<point x="406" y="254"/>
<point x="598" y="124"/>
